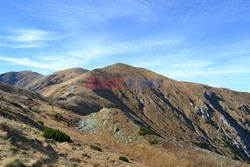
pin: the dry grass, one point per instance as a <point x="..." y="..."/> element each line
<point x="12" y="162"/>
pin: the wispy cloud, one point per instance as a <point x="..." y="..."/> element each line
<point x="86" y="11"/>
<point x="82" y="57"/>
<point x="29" y="35"/>
<point x="183" y="74"/>
<point x="25" y="62"/>
<point x="25" y="45"/>
<point x="112" y="48"/>
<point x="50" y="65"/>
<point x="27" y="38"/>
<point x="194" y="64"/>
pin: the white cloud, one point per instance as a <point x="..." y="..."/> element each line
<point x="25" y="45"/>
<point x="29" y="35"/>
<point x="194" y="64"/>
<point x="110" y="48"/>
<point x="27" y="38"/>
<point x="209" y="72"/>
<point x="25" y="62"/>
<point x="51" y="65"/>
<point x="76" y="13"/>
<point x="74" y="58"/>
<point x="141" y="45"/>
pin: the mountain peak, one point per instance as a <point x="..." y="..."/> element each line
<point x="76" y="70"/>
<point x="19" y="79"/>
<point x="120" y="65"/>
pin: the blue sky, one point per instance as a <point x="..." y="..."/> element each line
<point x="203" y="41"/>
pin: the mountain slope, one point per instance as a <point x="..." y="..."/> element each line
<point x="23" y="118"/>
<point x="55" y="78"/>
<point x="19" y="79"/>
<point x="24" y="115"/>
<point x="212" y="118"/>
<point x="185" y="115"/>
<point x="34" y="82"/>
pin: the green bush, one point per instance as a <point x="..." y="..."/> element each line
<point x="212" y="123"/>
<point x="199" y="114"/>
<point x="154" y="141"/>
<point x="56" y="115"/>
<point x="30" y="99"/>
<point x="41" y="122"/>
<point x="95" y="148"/>
<point x="16" y="104"/>
<point x="144" y="131"/>
<point x="57" y="135"/>
<point x="123" y="159"/>
<point x="202" y="145"/>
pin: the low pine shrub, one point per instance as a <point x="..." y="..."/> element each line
<point x="154" y="141"/>
<point x="57" y="135"/>
<point x="123" y="159"/>
<point x="144" y="131"/>
<point x="95" y="148"/>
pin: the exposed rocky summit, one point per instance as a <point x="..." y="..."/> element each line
<point x="110" y="121"/>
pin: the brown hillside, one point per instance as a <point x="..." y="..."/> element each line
<point x="212" y="118"/>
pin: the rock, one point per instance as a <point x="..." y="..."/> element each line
<point x="105" y="120"/>
<point x="116" y="129"/>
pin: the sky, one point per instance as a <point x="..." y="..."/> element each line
<point x="202" y="41"/>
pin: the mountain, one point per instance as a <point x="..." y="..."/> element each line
<point x="217" y="119"/>
<point x="19" y="79"/>
<point x="188" y="124"/>
<point x="33" y="81"/>
<point x="55" y="78"/>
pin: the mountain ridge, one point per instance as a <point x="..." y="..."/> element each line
<point x="216" y="119"/>
<point x="82" y="70"/>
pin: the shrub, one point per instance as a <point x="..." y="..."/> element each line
<point x="212" y="123"/>
<point x="199" y="114"/>
<point x="95" y="148"/>
<point x="30" y="99"/>
<point x="56" y="115"/>
<point x="41" y="122"/>
<point x="144" y="131"/>
<point x="57" y="135"/>
<point x="202" y="145"/>
<point x="123" y="159"/>
<point x="16" y="105"/>
<point x="154" y="141"/>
